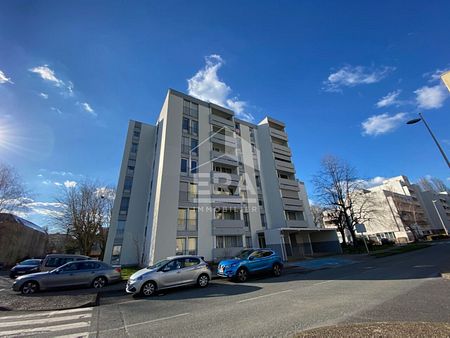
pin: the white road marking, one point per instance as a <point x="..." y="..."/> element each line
<point x="75" y="335"/>
<point x="327" y="281"/>
<point x="2" y="289"/>
<point x="423" y="266"/>
<point x="46" y="329"/>
<point x="49" y="320"/>
<point x="263" y="296"/>
<point x="49" y="313"/>
<point x="126" y="327"/>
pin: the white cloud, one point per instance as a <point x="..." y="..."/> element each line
<point x="88" y="109"/>
<point x="350" y="76"/>
<point x="431" y="97"/>
<point x="435" y="76"/>
<point x="377" y="180"/>
<point x="48" y="74"/>
<point x="43" y="95"/>
<point x="32" y="208"/>
<point x="207" y="86"/>
<point x="390" y="99"/>
<point x="70" y="184"/>
<point x="57" y="184"/>
<point x="383" y="123"/>
<point x="4" y="78"/>
<point x="56" y="110"/>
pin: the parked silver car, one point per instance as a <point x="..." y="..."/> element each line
<point x="168" y="273"/>
<point x="88" y="273"/>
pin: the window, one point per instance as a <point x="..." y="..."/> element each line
<point x="192" y="191"/>
<point x="185" y="124"/>
<point x="184" y="165"/>
<point x="176" y="264"/>
<point x="185" y="145"/>
<point x="263" y="220"/>
<point x="134" y="147"/>
<point x="193" y="167"/>
<point x="132" y="163"/>
<point x="128" y="183"/>
<point x="186" y="109"/>
<point x="136" y="133"/>
<point x="294" y="215"/>
<point x="124" y="205"/>
<point x="181" y="219"/>
<point x="192" y="219"/>
<point x="194" y="109"/>
<point x="194" y="146"/>
<point x="191" y="248"/>
<point x="194" y="127"/>
<point x="228" y="242"/>
<point x="130" y="170"/>
<point x="116" y="251"/>
<point x="191" y="262"/>
<point x="181" y="246"/>
<point x="120" y="228"/>
<point x="246" y="219"/>
<point x="248" y="241"/>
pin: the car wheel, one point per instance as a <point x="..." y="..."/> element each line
<point x="99" y="282"/>
<point x="276" y="270"/>
<point x="203" y="281"/>
<point x="241" y="275"/>
<point x="148" y="289"/>
<point x="29" y="288"/>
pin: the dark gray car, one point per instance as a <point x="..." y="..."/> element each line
<point x="83" y="273"/>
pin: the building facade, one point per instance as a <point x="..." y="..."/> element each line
<point x="204" y="182"/>
<point x="399" y="211"/>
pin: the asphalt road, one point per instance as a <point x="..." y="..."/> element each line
<point x="399" y="288"/>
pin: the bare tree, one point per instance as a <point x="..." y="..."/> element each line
<point x="335" y="184"/>
<point x="317" y="214"/>
<point x="86" y="211"/>
<point x="433" y="184"/>
<point x="336" y="217"/>
<point x="12" y="190"/>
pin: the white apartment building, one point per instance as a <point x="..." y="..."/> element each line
<point x="396" y="208"/>
<point x="203" y="182"/>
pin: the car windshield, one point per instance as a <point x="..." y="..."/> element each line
<point x="244" y="254"/>
<point x="30" y="262"/>
<point x="158" y="265"/>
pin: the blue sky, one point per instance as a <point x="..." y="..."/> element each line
<point x="343" y="78"/>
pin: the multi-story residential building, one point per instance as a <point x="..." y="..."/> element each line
<point x="393" y="210"/>
<point x="437" y="209"/>
<point x="203" y="182"/>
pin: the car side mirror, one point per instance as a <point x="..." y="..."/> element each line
<point x="251" y="258"/>
<point x="165" y="269"/>
<point x="56" y="271"/>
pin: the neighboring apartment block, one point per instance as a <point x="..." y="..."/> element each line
<point x="204" y="182"/>
<point x="399" y="211"/>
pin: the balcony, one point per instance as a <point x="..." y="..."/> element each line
<point x="221" y="121"/>
<point x="278" y="134"/>
<point x="225" y="179"/>
<point x="292" y="204"/>
<point x="282" y="150"/>
<point x="227" y="227"/>
<point x="228" y="159"/>
<point x="226" y="140"/>
<point x="296" y="224"/>
<point x="288" y="184"/>
<point x="284" y="166"/>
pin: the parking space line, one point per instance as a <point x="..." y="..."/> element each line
<point x="263" y="296"/>
<point x="47" y="314"/>
<point x="126" y="327"/>
<point x="46" y="329"/>
<point x="50" y="320"/>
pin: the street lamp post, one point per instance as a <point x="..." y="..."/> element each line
<point x="414" y="121"/>
<point x="440" y="217"/>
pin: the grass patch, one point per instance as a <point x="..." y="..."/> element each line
<point x="401" y="249"/>
<point x="127" y="272"/>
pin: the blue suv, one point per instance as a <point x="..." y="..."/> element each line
<point x="250" y="261"/>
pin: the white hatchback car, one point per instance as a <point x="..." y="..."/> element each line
<point x="169" y="273"/>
